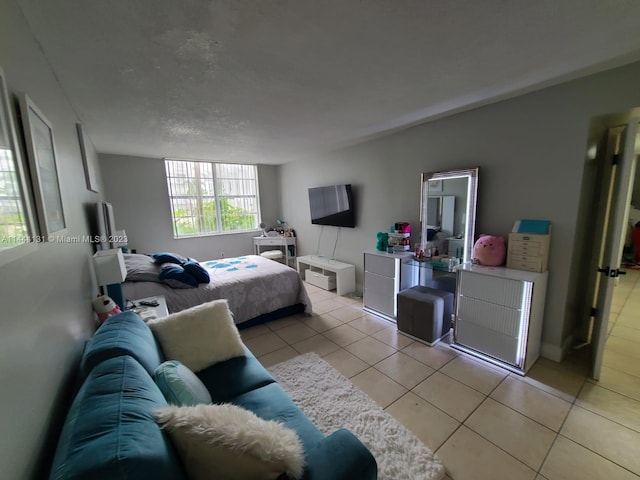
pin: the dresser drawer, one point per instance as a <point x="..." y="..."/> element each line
<point x="490" y="316"/>
<point x="497" y="290"/>
<point x="495" y="344"/>
<point x="518" y="248"/>
<point x="385" y="266"/>
<point x="379" y="293"/>
<point x="270" y="241"/>
<point x="523" y="262"/>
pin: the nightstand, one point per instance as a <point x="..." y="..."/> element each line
<point x="148" y="312"/>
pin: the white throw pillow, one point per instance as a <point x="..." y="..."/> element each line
<point x="227" y="442"/>
<point x="199" y="336"/>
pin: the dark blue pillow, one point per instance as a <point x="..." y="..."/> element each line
<point x="175" y="276"/>
<point x="167" y="257"/>
<point x="431" y="232"/>
<point x="197" y="271"/>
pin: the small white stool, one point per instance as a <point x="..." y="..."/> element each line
<point x="275" y="255"/>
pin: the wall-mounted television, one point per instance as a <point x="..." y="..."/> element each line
<point x="332" y="205"/>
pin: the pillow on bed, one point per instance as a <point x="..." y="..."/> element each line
<point x="176" y="277"/>
<point x="167" y="257"/>
<point x="197" y="271"/>
<point x="231" y="441"/>
<point x="141" y="268"/>
<point x="200" y="336"/>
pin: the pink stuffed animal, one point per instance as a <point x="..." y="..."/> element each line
<point x="105" y="308"/>
<point x="489" y="250"/>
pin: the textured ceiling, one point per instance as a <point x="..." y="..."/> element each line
<point x="270" y="81"/>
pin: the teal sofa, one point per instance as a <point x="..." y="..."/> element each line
<point x="110" y="432"/>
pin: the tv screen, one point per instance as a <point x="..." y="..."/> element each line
<point x="332" y="205"/>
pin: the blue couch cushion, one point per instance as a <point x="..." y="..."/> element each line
<point x="272" y="403"/>
<point x="110" y="432"/>
<point x="228" y="379"/>
<point x="123" y="334"/>
<point x="340" y="455"/>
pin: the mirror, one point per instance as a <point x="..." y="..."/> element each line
<point x="448" y="212"/>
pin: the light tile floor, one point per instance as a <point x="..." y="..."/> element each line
<point x="482" y="421"/>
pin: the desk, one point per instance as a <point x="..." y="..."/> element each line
<point x="286" y="244"/>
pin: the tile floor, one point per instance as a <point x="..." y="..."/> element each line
<point x="482" y="421"/>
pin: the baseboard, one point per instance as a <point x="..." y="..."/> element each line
<point x="554" y="352"/>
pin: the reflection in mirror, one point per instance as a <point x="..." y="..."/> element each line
<point x="448" y="212"/>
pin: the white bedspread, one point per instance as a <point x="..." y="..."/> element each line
<point x="252" y="285"/>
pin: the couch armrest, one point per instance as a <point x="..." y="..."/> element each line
<point x="340" y="456"/>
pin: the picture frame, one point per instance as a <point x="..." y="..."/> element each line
<point x="17" y="220"/>
<point x="89" y="159"/>
<point x="43" y="166"/>
<point x="435" y="185"/>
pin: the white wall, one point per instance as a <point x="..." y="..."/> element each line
<point x="46" y="295"/>
<point x="531" y="153"/>
<point x="137" y="188"/>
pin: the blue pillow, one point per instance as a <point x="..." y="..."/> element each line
<point x="175" y="276"/>
<point x="179" y="385"/>
<point x="197" y="271"/>
<point x="167" y="257"/>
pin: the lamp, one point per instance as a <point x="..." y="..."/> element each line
<point x="111" y="271"/>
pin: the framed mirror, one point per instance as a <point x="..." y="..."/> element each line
<point x="448" y="212"/>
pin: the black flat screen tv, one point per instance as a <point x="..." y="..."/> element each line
<point x="332" y="205"/>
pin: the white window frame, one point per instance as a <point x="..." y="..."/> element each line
<point x="217" y="196"/>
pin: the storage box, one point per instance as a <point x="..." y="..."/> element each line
<point x="528" y="251"/>
<point x="327" y="280"/>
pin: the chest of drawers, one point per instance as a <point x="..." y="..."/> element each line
<point x="499" y="313"/>
<point x="528" y="251"/>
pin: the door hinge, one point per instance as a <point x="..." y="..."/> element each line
<point x="615" y="158"/>
<point x="593" y="312"/>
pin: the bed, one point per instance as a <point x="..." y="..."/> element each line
<point x="257" y="289"/>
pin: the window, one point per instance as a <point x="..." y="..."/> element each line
<point x="16" y="220"/>
<point x="209" y="198"/>
<point x="13" y="223"/>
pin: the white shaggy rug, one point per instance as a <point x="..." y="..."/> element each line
<point x="331" y="401"/>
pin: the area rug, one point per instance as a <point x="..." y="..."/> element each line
<point x="331" y="402"/>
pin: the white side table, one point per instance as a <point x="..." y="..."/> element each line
<point x="149" y="312"/>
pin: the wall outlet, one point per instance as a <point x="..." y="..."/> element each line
<point x="221" y="254"/>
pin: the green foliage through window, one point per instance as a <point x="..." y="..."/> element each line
<point x="209" y="198"/>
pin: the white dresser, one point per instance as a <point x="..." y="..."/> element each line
<point x="386" y="274"/>
<point x="499" y="313"/>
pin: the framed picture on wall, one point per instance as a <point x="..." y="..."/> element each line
<point x="89" y="160"/>
<point x="17" y="223"/>
<point x="44" y="169"/>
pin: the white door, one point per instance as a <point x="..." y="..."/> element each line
<point x="615" y="222"/>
